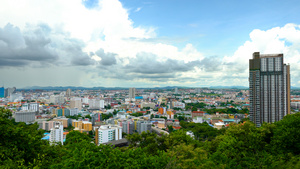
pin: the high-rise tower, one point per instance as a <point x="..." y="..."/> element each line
<point x="269" y="88"/>
<point x="132" y="93"/>
<point x="68" y="93"/>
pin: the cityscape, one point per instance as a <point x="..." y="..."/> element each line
<point x="128" y="84"/>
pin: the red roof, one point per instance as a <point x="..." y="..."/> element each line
<point x="176" y="127"/>
<point x="198" y="111"/>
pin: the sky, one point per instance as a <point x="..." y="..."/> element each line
<point x="143" y="43"/>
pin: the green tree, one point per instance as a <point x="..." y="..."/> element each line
<point x="180" y="118"/>
<point x="170" y="128"/>
<point x="287" y="135"/>
<point x="115" y="112"/>
<point x="243" y="146"/>
<point x="187" y="156"/>
<point x="88" y="116"/>
<point x="76" y="137"/>
<point x="107" y="106"/>
<point x="137" y="114"/>
<point x="134" y="139"/>
<point x="21" y="144"/>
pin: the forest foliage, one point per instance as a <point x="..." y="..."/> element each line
<point x="238" y="146"/>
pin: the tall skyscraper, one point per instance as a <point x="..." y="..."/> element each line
<point x="132" y="93"/>
<point x="269" y="88"/>
<point x="68" y="93"/>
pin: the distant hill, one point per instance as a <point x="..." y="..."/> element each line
<point x="126" y="88"/>
<point x="228" y="87"/>
<point x="71" y="87"/>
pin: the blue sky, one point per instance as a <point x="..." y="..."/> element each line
<point x="215" y="27"/>
<point x="137" y="43"/>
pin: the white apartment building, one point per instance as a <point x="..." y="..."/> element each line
<point x="102" y="104"/>
<point x="56" y="133"/>
<point x="74" y="111"/>
<point x="108" y="133"/>
<point x="96" y="104"/>
<point x="148" y="104"/>
<point x="179" y="105"/>
<point x="25" y="106"/>
<point x="85" y="100"/>
<point x="31" y="106"/>
<point x="34" y="106"/>
<point x="15" y="97"/>
<point x="57" y="99"/>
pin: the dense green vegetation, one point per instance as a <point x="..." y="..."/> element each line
<point x="227" y="111"/>
<point x="190" y="106"/>
<point x="137" y="114"/>
<point x="75" y="117"/>
<point x="239" y="146"/>
<point x="202" y="131"/>
<point x="106" y="116"/>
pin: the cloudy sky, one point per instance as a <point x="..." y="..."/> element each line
<point x="143" y="43"/>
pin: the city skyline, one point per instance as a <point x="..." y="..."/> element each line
<point x="125" y="43"/>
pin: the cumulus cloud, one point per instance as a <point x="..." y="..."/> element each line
<point x="211" y="64"/>
<point x="107" y="59"/>
<point x="148" y="63"/>
<point x="276" y="40"/>
<point x="39" y="44"/>
<point x="148" y="67"/>
<point x="18" y="49"/>
<point x="115" y="51"/>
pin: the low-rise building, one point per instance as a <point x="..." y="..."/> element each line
<point x="46" y="125"/>
<point x="82" y="126"/>
<point x="66" y="122"/>
<point x="197" y="113"/>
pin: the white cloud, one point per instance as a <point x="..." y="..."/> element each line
<point x="77" y="33"/>
<point x="284" y="40"/>
<point x="138" y="9"/>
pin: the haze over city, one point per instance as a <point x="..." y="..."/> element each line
<point x="153" y="43"/>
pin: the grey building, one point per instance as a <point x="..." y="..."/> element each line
<point x="269" y="88"/>
<point x="9" y="91"/>
<point x="128" y="127"/>
<point x="25" y="116"/>
<point x="143" y="126"/>
<point x="68" y="93"/>
<point x="132" y="92"/>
